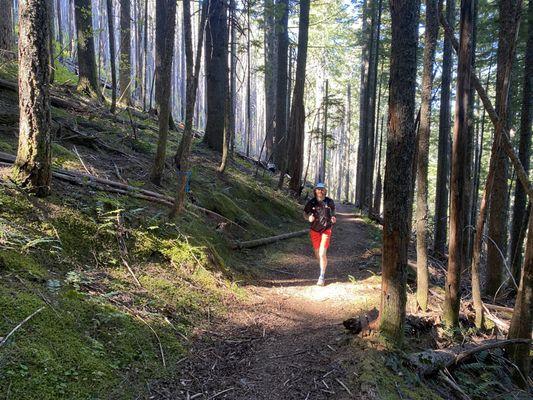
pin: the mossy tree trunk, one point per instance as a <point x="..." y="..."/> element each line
<point x="111" y="29"/>
<point x="521" y="322"/>
<point x="430" y="41"/>
<point x="524" y="152"/>
<point x="181" y="159"/>
<point x="443" y="165"/>
<point x="33" y="163"/>
<point x="88" y="77"/>
<point x="271" y="55"/>
<point x="6" y="28"/>
<point x="509" y="16"/>
<point x="400" y="152"/>
<point x="280" y="139"/>
<point x="296" y="132"/>
<point x="217" y="76"/>
<point x="362" y="139"/>
<point x="125" y="51"/>
<point x="164" y="47"/>
<point x="452" y="296"/>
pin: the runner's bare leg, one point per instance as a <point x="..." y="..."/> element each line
<point x="322" y="255"/>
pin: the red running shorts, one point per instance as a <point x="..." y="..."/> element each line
<point x="318" y="237"/>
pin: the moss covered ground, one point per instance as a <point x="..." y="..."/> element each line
<point x="100" y="335"/>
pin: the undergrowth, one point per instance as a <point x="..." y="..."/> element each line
<point x="100" y="334"/>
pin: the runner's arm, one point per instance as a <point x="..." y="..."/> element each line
<point x="308" y="211"/>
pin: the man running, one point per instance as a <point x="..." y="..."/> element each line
<point x="320" y="212"/>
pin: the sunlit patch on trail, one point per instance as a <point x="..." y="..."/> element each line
<point x="354" y="292"/>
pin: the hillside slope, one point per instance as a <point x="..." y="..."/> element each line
<point x="120" y="285"/>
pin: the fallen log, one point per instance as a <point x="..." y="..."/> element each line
<point x="430" y="362"/>
<point x="56" y="101"/>
<point x="272" y="239"/>
<point x="118" y="187"/>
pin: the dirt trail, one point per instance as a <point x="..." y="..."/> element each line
<point x="287" y="341"/>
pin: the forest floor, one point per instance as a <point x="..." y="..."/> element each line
<point x="204" y="321"/>
<point x="287" y="340"/>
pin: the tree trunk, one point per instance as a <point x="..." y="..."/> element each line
<point x="280" y="140"/>
<point x="521" y="322"/>
<point x="112" y="54"/>
<point x="322" y="175"/>
<point x="452" y="297"/>
<point x="138" y="48"/>
<point x="509" y="11"/>
<point x="33" y="163"/>
<point x="248" y="82"/>
<point x="6" y="29"/>
<point x="125" y="52"/>
<point x="371" y="107"/>
<point x="348" y="124"/>
<point x="524" y="151"/>
<point x="469" y="181"/>
<point x="51" y="35"/>
<point x="363" y="140"/>
<point x="233" y="73"/>
<point x="181" y="159"/>
<point x="430" y="41"/>
<point x="297" y="119"/>
<point x="88" y="77"/>
<point x="165" y="30"/>
<point x="271" y="58"/>
<point x="377" y="193"/>
<point x="443" y="164"/>
<point x="216" y="73"/>
<point x="400" y="151"/>
<point x="145" y="54"/>
<point x="60" y="28"/>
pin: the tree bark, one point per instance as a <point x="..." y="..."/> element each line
<point x="271" y="58"/>
<point x="443" y="164"/>
<point x="522" y="320"/>
<point x="88" y="77"/>
<point x="51" y="37"/>
<point x="430" y="41"/>
<point x="524" y="151"/>
<point x="400" y="151"/>
<point x="363" y="105"/>
<point x="33" y="163"/>
<point x="509" y="11"/>
<point x="233" y="73"/>
<point x="6" y="29"/>
<point x="112" y="55"/>
<point x="125" y="52"/>
<point x="280" y="140"/>
<point x="457" y="181"/>
<point x="216" y="73"/>
<point x="181" y="158"/>
<point x="297" y="119"/>
<point x="165" y="30"/>
<point x="323" y="159"/>
<point x="371" y="106"/>
<point x="348" y="128"/>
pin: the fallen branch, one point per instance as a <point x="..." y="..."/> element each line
<point x="272" y="239"/>
<point x="454" y="386"/>
<point x="158" y="340"/>
<point x="117" y="187"/>
<point x="16" y="328"/>
<point x="430" y="362"/>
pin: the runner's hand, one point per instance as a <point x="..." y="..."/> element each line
<point x="334" y="220"/>
<point x="311" y="218"/>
